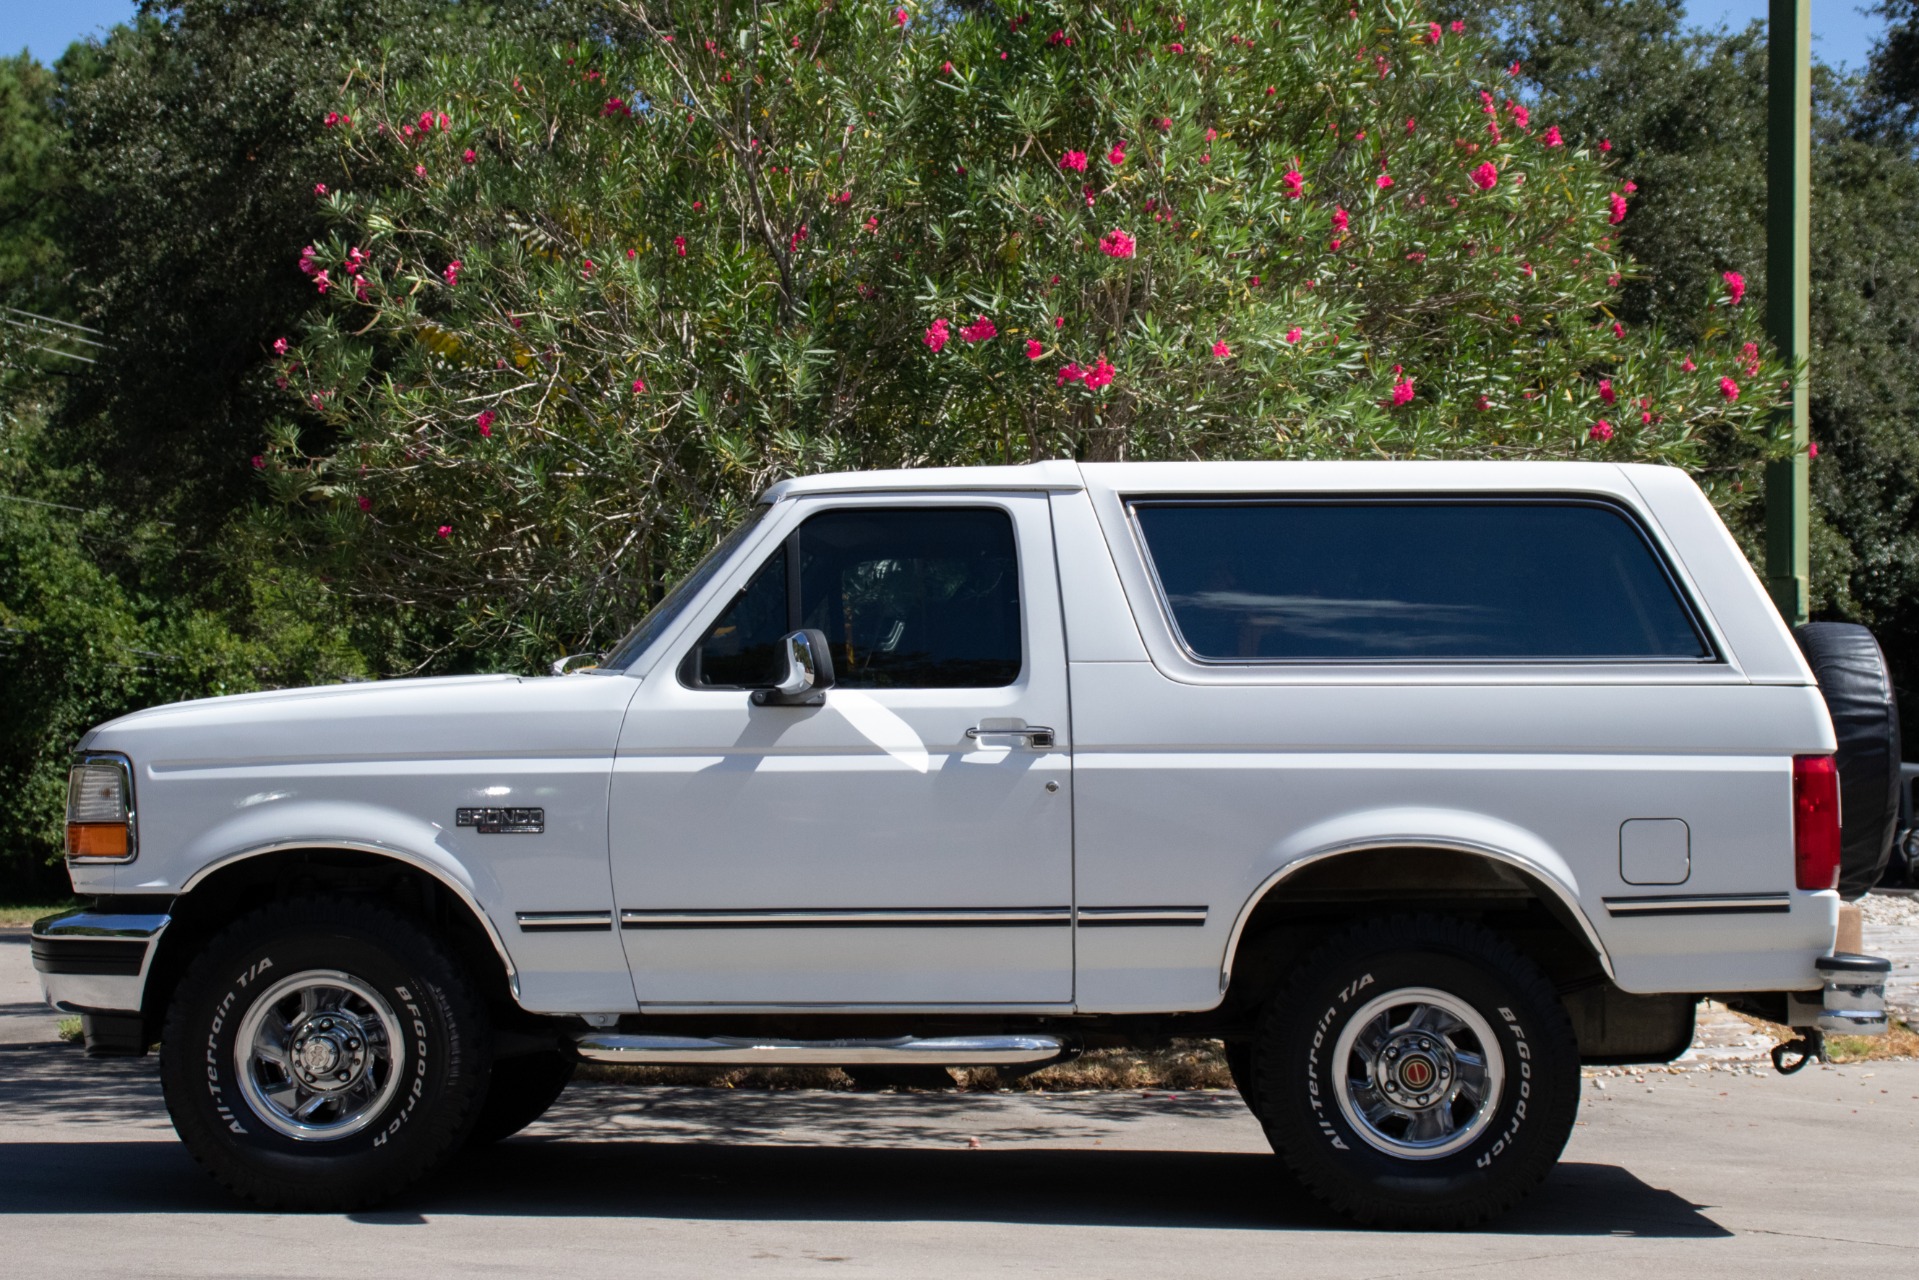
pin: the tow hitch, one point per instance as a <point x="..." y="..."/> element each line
<point x="1852" y="1002"/>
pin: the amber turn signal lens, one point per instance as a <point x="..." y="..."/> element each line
<point x="96" y="839"/>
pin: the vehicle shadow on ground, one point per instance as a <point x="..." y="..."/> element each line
<point x="736" y="1155"/>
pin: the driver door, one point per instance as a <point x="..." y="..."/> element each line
<point x="908" y="840"/>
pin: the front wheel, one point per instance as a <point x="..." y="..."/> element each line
<point x="323" y="1053"/>
<point x="1419" y="1072"/>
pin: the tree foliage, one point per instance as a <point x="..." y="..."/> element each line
<point x="584" y="301"/>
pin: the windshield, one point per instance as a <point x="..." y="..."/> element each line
<point x="667" y="611"/>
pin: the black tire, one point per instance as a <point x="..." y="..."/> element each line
<point x="518" y="1092"/>
<point x="1852" y="675"/>
<point x="373" y="974"/>
<point x="1495" y="1153"/>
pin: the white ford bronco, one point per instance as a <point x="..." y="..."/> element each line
<point x="1416" y="784"/>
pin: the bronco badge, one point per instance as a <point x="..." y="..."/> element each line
<point x="503" y="822"/>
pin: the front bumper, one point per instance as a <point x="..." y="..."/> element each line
<point x="96" y="962"/>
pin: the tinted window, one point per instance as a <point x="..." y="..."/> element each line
<point x="908" y="598"/>
<point x="1415" y="580"/>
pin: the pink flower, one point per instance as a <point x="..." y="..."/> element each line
<point x="1099" y="375"/>
<point x="1432" y="32"/>
<point x="359" y="287"/>
<point x="1618" y="329"/>
<point x="1402" y="392"/>
<point x="1412" y="123"/>
<point x="1212" y="135"/>
<point x="426" y="122"/>
<point x="332" y="118"/>
<point x="679" y="246"/>
<point x="1059" y="322"/>
<point x="1618" y="203"/>
<point x="1117" y="156"/>
<point x="470" y="155"/>
<point x="1176" y="47"/>
<point x="1294" y="334"/>
<point x="1333" y="244"/>
<point x="321" y="282"/>
<point x="1687" y="366"/>
<point x="1605" y="144"/>
<point x="797" y="239"/>
<point x="1073" y="160"/>
<point x="446" y="531"/>
<point x="306" y="260"/>
<point x="946" y="68"/>
<point x="1383" y="181"/>
<point x="1486" y="176"/>
<point x="979" y="331"/>
<point x="1552" y="136"/>
<point x="1521" y="116"/>
<point x="1606" y="393"/>
<point x="485" y="421"/>
<point x="899" y="17"/>
<point x="1513" y="70"/>
<point x="259" y="463"/>
<point x="319" y="188"/>
<point x="1295" y="183"/>
<point x="1456" y="27"/>
<point x="279" y="346"/>
<point x="1601" y="430"/>
<point x="365" y="503"/>
<point x="1071" y="373"/>
<point x="639" y="386"/>
<point x="452" y="272"/>
<point x="935" y="336"/>
<point x="1254" y="282"/>
<point x="1165" y="124"/>
<point x="586" y="271"/>
<point x="419" y="171"/>
<point x="1221" y="351"/>
<point x="1034" y="349"/>
<point x="1117" y="244"/>
<point x="1341" y="219"/>
<point x="1729" y="389"/>
<point x="1735" y="286"/>
<point x="1631" y="187"/>
<point x="1812" y="448"/>
<point x="1483" y="405"/>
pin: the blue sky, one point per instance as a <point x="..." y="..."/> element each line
<point x="1840" y="33"/>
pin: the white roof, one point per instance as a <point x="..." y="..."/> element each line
<point x="1232" y="477"/>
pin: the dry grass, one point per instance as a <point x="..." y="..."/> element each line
<point x="1182" y="1065"/>
<point x="18" y="915"/>
<point x="1899" y="1042"/>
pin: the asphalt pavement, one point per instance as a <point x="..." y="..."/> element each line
<point x="1719" y="1169"/>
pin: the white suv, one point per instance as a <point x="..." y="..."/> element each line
<point x="1415" y="783"/>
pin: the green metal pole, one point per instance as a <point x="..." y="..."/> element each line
<point x="1788" y="292"/>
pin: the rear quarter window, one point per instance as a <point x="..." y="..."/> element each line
<point x="1415" y="580"/>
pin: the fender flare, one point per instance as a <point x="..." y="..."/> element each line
<point x="444" y="877"/>
<point x="1557" y="880"/>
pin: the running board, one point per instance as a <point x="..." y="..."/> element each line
<point x="745" y="1051"/>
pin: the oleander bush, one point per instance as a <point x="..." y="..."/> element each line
<point x="581" y="302"/>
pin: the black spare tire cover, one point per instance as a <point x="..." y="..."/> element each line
<point x="1852" y="675"/>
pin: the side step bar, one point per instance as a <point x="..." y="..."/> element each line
<point x="943" y="1051"/>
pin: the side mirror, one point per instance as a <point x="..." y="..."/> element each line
<point x="808" y="674"/>
<point x="564" y="665"/>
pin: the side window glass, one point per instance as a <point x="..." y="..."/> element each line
<point x="915" y="598"/>
<point x="909" y="598"/>
<point x="742" y="649"/>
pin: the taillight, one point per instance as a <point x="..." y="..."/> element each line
<point x="100" y="810"/>
<point x="1815" y="821"/>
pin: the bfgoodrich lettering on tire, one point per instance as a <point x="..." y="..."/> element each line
<point x="1417" y="1071"/>
<point x="323" y="1054"/>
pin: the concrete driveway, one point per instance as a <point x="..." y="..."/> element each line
<point x="1713" y="1171"/>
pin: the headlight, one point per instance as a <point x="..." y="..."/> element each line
<point x="100" y="810"/>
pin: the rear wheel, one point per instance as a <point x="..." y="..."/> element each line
<point x="323" y="1053"/>
<point x="1417" y="1071"/>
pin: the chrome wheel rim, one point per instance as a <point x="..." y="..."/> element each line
<point x="1418" y="1073"/>
<point x="318" y="1055"/>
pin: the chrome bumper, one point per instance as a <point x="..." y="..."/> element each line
<point x="91" y="962"/>
<point x="1853" y="999"/>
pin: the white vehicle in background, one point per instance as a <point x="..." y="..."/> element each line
<point x="1415" y="783"/>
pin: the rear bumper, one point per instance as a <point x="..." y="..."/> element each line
<point x="1852" y="1000"/>
<point x="95" y="962"/>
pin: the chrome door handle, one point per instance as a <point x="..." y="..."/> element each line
<point x="1038" y="736"/>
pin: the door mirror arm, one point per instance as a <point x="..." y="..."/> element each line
<point x="808" y="674"/>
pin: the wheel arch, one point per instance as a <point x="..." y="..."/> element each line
<point x="222" y="889"/>
<point x="1412" y="870"/>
